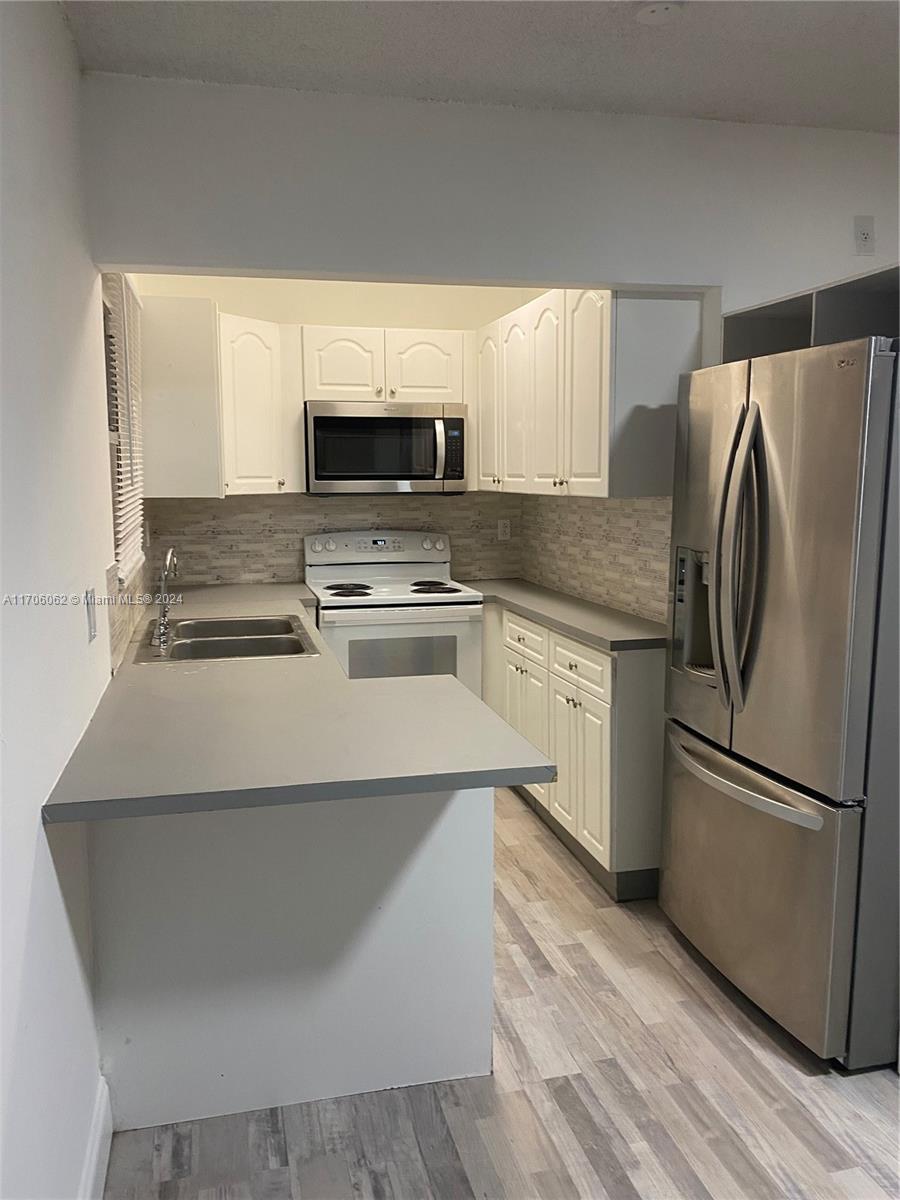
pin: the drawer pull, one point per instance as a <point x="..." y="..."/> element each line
<point x="573" y="666"/>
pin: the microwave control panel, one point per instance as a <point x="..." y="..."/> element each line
<point x="455" y="463"/>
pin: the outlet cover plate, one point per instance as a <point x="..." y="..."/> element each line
<point x="864" y="234"/>
<point x="503" y="531"/>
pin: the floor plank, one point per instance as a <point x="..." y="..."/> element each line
<point x="625" y="1068"/>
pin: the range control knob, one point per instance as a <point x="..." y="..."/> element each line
<point x="330" y="544"/>
<point x="439" y="544"/>
<point x="316" y="547"/>
<point x="426" y="543"/>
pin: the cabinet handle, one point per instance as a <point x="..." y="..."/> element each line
<point x="520" y="639"/>
<point x="573" y="666"/>
<point x="556" y="483"/>
<point x="379" y="390"/>
<point x="393" y="392"/>
<point x="563" y="483"/>
<point x="281" y="483"/>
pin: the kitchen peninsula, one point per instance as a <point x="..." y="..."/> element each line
<point x="291" y="874"/>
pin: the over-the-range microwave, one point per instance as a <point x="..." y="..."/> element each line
<point x="365" y="446"/>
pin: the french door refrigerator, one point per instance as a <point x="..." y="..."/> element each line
<point x="780" y="850"/>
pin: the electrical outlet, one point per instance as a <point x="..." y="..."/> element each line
<point x="864" y="234"/>
<point x="90" y="605"/>
<point x="503" y="531"/>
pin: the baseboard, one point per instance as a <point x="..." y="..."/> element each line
<point x="96" y="1155"/>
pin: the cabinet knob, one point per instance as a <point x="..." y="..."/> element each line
<point x="281" y="483"/>
<point x="379" y="390"/>
<point x="573" y="666"/>
<point x="556" y="483"/>
<point x="393" y="392"/>
<point x="563" y="483"/>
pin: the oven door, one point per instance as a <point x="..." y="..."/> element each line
<point x="369" y="447"/>
<point x="373" y="643"/>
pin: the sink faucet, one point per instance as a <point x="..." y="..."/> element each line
<point x="169" y="571"/>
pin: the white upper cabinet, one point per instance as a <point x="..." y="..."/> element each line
<point x="251" y="406"/>
<point x="588" y="332"/>
<point x="546" y="423"/>
<point x="424" y="366"/>
<point x="515" y="398"/>
<point x="487" y="374"/>
<point x="596" y="414"/>
<point x="181" y="397"/>
<point x="343" y="363"/>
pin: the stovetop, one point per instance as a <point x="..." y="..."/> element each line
<point x="383" y="568"/>
<point x="339" y="587"/>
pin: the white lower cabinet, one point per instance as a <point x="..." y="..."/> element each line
<point x="525" y="696"/>
<point x="564" y="752"/>
<point x="593" y="720"/>
<point x="599" y="717"/>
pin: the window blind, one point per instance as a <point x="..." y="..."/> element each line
<point x="122" y="337"/>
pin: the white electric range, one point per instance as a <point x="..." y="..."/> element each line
<point x="387" y="605"/>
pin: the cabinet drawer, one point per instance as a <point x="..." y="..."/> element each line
<point x="524" y="636"/>
<point x="587" y="668"/>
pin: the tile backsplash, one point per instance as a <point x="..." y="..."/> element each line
<point x="613" y="552"/>
<point x="259" y="539"/>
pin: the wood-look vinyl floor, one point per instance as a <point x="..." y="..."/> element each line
<point x="625" y="1068"/>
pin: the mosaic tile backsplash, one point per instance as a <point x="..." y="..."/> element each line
<point x="259" y="539"/>
<point x="613" y="552"/>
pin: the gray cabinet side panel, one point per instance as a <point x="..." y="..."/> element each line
<point x="655" y="341"/>
<point x="874" y="1011"/>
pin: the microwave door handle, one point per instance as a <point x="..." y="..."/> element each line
<point x="440" y="437"/>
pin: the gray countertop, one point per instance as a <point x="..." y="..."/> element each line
<point x="593" y="624"/>
<point x="189" y="736"/>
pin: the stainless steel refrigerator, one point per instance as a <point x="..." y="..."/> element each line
<point x="780" y="830"/>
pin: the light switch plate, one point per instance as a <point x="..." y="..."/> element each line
<point x="90" y="606"/>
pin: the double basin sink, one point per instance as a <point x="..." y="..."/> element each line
<point x="211" y="639"/>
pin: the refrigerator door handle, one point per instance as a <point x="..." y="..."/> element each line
<point x="773" y="808"/>
<point x="715" y="565"/>
<point x="731" y="528"/>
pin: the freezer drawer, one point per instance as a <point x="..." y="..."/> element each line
<point x="762" y="880"/>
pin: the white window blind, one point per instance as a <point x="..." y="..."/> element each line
<point x="122" y="335"/>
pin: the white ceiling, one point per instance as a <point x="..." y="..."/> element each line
<point x="832" y="64"/>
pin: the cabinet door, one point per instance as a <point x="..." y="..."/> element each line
<point x="342" y="363"/>
<point x="594" y="719"/>
<point x="424" y="366"/>
<point x="563" y="750"/>
<point x="487" y="366"/>
<point x="180" y="391"/>
<point x="251" y="405"/>
<point x="515" y="402"/>
<point x="513" y="676"/>
<point x="545" y="426"/>
<point x="587" y="395"/>
<point x="535" y="713"/>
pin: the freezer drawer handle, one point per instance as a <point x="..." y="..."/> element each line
<point x="783" y="812"/>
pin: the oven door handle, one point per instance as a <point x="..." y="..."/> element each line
<point x="433" y="614"/>
<point x="440" y="435"/>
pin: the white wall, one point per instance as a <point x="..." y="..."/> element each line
<point x="56" y="537"/>
<point x="262" y="180"/>
<point x="335" y="302"/>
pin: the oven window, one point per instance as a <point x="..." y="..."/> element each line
<point x="374" y="448"/>
<point x="378" y="658"/>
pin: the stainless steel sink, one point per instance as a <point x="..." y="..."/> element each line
<point x="236" y="647"/>
<point x="230" y="627"/>
<point x="211" y="639"/>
